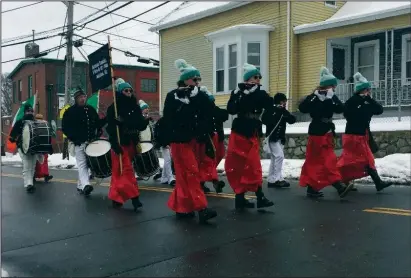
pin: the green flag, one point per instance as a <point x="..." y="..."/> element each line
<point x="20" y="113"/>
<point x="94" y="100"/>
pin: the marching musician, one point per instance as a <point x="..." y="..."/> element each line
<point x="208" y="168"/>
<point x="357" y="159"/>
<point x="130" y="122"/>
<point x="42" y="169"/>
<point x="187" y="113"/>
<point x="29" y="160"/>
<point x="320" y="166"/>
<point x="81" y="124"/>
<point x="277" y="117"/>
<point x="243" y="164"/>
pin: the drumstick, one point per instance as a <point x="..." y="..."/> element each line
<point x="115" y="103"/>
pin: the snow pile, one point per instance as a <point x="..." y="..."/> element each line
<point x="377" y="124"/>
<point x="4" y="273"/>
<point x="395" y="167"/>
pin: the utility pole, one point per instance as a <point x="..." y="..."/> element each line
<point x="69" y="53"/>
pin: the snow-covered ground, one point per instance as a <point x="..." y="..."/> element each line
<point x="377" y="124"/>
<point x="395" y="167"/>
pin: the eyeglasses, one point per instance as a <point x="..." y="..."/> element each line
<point x="197" y="79"/>
<point x="128" y="90"/>
<point x="258" y="77"/>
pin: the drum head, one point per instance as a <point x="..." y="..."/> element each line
<point x="98" y="148"/>
<point x="145" y="147"/>
<point x="25" y="136"/>
<point x="145" y="135"/>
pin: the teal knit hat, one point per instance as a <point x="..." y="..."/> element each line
<point x="120" y="85"/>
<point x="326" y="78"/>
<point x="143" y="104"/>
<point x="250" y="71"/>
<point x="361" y="82"/>
<point x="186" y="71"/>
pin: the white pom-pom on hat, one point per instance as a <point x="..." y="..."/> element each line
<point x="358" y="77"/>
<point x="181" y="64"/>
<point x="248" y="67"/>
<point x="324" y="71"/>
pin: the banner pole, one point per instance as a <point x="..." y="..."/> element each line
<point x="115" y="103"/>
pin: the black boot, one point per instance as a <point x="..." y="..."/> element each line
<point x="278" y="184"/>
<point x="181" y="215"/>
<point x="311" y="193"/>
<point x="262" y="201"/>
<point x="48" y="178"/>
<point x="87" y="190"/>
<point x="218" y="186"/>
<point x="206" y="214"/>
<point x="342" y="189"/>
<point x="116" y="204"/>
<point x="30" y="188"/>
<point x="136" y="203"/>
<point x="242" y="203"/>
<point x="205" y="188"/>
<point x="379" y="184"/>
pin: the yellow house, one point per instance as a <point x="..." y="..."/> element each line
<point x="288" y="41"/>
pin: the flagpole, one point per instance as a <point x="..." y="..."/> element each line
<point x="115" y="103"/>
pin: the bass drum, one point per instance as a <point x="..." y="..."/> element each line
<point x="98" y="155"/>
<point x="36" y="138"/>
<point x="146" y="163"/>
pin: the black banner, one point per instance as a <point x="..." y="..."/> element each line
<point x="99" y="68"/>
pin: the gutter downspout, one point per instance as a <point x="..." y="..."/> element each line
<point x="288" y="50"/>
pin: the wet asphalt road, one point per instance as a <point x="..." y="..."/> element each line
<point x="56" y="232"/>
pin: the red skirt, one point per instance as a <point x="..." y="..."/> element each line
<point x="42" y="170"/>
<point x="206" y="165"/>
<point x="320" y="166"/>
<point x="123" y="187"/>
<point x="355" y="158"/>
<point x="187" y="196"/>
<point x="220" y="150"/>
<point x="243" y="163"/>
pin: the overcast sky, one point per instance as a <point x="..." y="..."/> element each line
<point x="49" y="15"/>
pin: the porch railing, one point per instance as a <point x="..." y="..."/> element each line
<point x="389" y="94"/>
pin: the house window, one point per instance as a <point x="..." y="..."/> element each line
<point x="254" y="54"/>
<point x="220" y="69"/>
<point x="148" y="85"/>
<point x="30" y="86"/>
<point x="20" y="91"/>
<point x="332" y="4"/>
<point x="14" y="92"/>
<point x="232" y="67"/>
<point x="406" y="59"/>
<point x="367" y="59"/>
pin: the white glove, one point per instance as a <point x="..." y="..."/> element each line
<point x="320" y="96"/>
<point x="330" y="93"/>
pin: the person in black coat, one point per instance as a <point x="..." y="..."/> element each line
<point x="243" y="163"/>
<point x="130" y="122"/>
<point x="357" y="159"/>
<point x="277" y="118"/>
<point x="320" y="166"/>
<point x="81" y="124"/>
<point x="189" y="126"/>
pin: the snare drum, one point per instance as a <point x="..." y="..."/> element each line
<point x="36" y="137"/>
<point x="146" y="163"/>
<point x="98" y="155"/>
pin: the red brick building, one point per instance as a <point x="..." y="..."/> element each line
<point x="47" y="77"/>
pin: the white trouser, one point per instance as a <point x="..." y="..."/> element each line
<point x="29" y="166"/>
<point x="83" y="175"/>
<point x="167" y="173"/>
<point x="276" y="164"/>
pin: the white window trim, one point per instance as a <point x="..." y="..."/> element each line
<point x="404" y="81"/>
<point x="329" y="5"/>
<point x="376" y="44"/>
<point x="240" y="35"/>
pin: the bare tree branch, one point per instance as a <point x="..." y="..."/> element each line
<point x="6" y="95"/>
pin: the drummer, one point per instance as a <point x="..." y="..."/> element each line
<point x="42" y="169"/>
<point x="81" y="124"/>
<point x="130" y="122"/>
<point x="29" y="160"/>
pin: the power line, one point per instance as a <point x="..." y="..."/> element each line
<point x="120" y="36"/>
<point x="105" y="14"/>
<point x="45" y="52"/>
<point x="32" y="40"/>
<point x="118" y="24"/>
<point x="21" y="7"/>
<point x="145" y="22"/>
